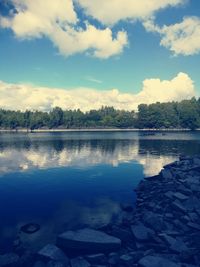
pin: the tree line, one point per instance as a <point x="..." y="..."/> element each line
<point x="184" y="114"/>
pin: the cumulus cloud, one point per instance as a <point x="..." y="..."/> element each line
<point x="22" y="96"/>
<point x="112" y="11"/>
<point x="58" y="21"/>
<point x="180" y="38"/>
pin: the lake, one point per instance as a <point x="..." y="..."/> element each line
<point x="69" y="180"/>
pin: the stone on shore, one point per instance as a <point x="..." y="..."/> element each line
<point x="88" y="240"/>
<point x="157" y="261"/>
<point x="140" y="232"/>
<point x="52" y="252"/>
<point x="79" y="262"/>
<point x="96" y="258"/>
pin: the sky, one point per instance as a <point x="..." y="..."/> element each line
<point x="88" y="53"/>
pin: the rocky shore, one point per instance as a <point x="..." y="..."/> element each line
<point x="163" y="230"/>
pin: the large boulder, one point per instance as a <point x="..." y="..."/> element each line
<point x="88" y="240"/>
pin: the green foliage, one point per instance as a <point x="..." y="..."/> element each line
<point x="184" y="114"/>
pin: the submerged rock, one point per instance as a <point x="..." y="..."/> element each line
<point x="9" y="260"/>
<point x="30" y="228"/>
<point x="88" y="240"/>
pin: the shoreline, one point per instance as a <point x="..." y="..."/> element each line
<point x="93" y="130"/>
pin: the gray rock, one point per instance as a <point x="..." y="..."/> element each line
<point x="9" y="260"/>
<point x="193" y="216"/>
<point x="166" y="174"/>
<point x="192" y="203"/>
<point x="140" y="232"/>
<point x="123" y="234"/>
<point x="154" y="221"/>
<point x="156" y="261"/>
<point x="96" y="258"/>
<point x="175" y="244"/>
<point x="169" y="194"/>
<point x="52" y="252"/>
<point x="79" y="262"/>
<point x="88" y="240"/>
<point x="113" y="258"/>
<point x="126" y="260"/>
<point x="194" y="226"/>
<point x="178" y="206"/>
<point x="180" y="196"/>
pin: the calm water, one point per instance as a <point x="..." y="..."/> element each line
<point x="69" y="180"/>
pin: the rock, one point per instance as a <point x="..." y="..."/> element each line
<point x="169" y="194"/>
<point x="196" y="161"/>
<point x="123" y="234"/>
<point x="192" y="203"/>
<point x="9" y="260"/>
<point x="141" y="233"/>
<point x="56" y="264"/>
<point x="51" y="252"/>
<point x="79" y="262"/>
<point x="193" y="216"/>
<point x="154" y="221"/>
<point x="126" y="260"/>
<point x="157" y="261"/>
<point x="137" y="255"/>
<point x="194" y="226"/>
<point x="30" y="228"/>
<point x="113" y="258"/>
<point x="39" y="264"/>
<point x="96" y="258"/>
<point x="166" y="174"/>
<point x="153" y="178"/>
<point x="178" y="206"/>
<point x="180" y="196"/>
<point x="88" y="240"/>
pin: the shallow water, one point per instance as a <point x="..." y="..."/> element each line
<point x="70" y="180"/>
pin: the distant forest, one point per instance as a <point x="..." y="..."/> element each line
<point x="184" y="114"/>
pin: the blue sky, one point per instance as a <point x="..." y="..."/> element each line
<point x="120" y="55"/>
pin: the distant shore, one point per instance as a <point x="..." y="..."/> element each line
<point x="23" y="130"/>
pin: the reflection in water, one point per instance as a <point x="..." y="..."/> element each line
<point x="65" y="181"/>
<point x="152" y="154"/>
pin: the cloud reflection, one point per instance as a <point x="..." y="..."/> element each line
<point x="81" y="155"/>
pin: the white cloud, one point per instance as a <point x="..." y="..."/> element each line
<point x="180" y="38"/>
<point x="22" y="96"/>
<point x="112" y="11"/>
<point x="57" y="20"/>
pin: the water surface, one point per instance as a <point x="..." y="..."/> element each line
<point x="70" y="180"/>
